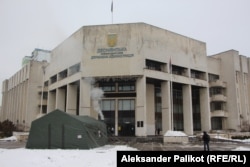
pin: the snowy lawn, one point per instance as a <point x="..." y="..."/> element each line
<point x="103" y="156"/>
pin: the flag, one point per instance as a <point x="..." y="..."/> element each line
<point x="112" y="7"/>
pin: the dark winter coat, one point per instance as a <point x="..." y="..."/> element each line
<point x="206" y="137"/>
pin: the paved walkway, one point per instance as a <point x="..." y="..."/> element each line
<point x="155" y="146"/>
<point x="12" y="144"/>
<point x="155" y="143"/>
<point x="214" y="146"/>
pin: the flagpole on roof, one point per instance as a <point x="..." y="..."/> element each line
<point x="112" y="11"/>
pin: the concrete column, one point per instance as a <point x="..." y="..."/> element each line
<point x="4" y="106"/>
<point x="150" y="94"/>
<point x="4" y="101"/>
<point x="19" y="105"/>
<point x="116" y="116"/>
<point x="60" y="99"/>
<point x="51" y="101"/>
<point x="15" y="100"/>
<point x="140" y="112"/>
<point x="166" y="106"/>
<point x="187" y="109"/>
<point x="10" y="104"/>
<point x="85" y="99"/>
<point x="205" y="109"/>
<point x="25" y="104"/>
<point x="71" y="99"/>
<point x="13" y="111"/>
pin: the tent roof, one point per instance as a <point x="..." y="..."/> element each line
<point x="85" y="119"/>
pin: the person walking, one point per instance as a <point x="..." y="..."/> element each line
<point x="206" y="139"/>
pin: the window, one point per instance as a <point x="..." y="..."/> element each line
<point x="46" y="83"/>
<point x="74" y="69"/>
<point x="44" y="109"/>
<point x="45" y="95"/>
<point x="213" y="77"/>
<point x="107" y="87"/>
<point x="126" y="87"/>
<point x="158" y="99"/>
<point x="217" y="106"/>
<point x="108" y="105"/>
<point x="63" y="74"/>
<point x="178" y="109"/>
<point x="215" y="91"/>
<point x="197" y="74"/>
<point x="126" y="105"/>
<point x="154" y="65"/>
<point x="216" y="123"/>
<point x="108" y="109"/>
<point x="53" y="79"/>
<point x="126" y="117"/>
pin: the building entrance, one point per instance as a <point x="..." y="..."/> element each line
<point x="125" y="112"/>
<point x="126" y="117"/>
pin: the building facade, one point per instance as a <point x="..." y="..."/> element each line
<point x="21" y="93"/>
<point x="140" y="79"/>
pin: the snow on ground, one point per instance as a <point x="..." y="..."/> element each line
<point x="103" y="156"/>
<point x="12" y="138"/>
<point x="238" y="140"/>
<point x="174" y="133"/>
<point x="241" y="149"/>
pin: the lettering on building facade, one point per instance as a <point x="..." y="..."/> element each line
<point x="111" y="52"/>
<point x="104" y="53"/>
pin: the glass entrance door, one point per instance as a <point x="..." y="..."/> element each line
<point x="126" y="117"/>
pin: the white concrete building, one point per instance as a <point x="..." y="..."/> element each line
<point x="151" y="79"/>
<point x="22" y="92"/>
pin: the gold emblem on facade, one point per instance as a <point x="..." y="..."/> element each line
<point x="112" y="40"/>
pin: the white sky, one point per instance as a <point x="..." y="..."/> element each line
<point x="30" y="24"/>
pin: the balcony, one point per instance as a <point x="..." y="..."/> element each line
<point x="219" y="113"/>
<point x="218" y="97"/>
<point x="218" y="83"/>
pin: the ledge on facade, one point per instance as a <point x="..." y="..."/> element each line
<point x="218" y="83"/>
<point x="219" y="113"/>
<point x="44" y="89"/>
<point x="218" y="97"/>
<point x="114" y="78"/>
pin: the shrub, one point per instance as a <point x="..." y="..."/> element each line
<point x="7" y="127"/>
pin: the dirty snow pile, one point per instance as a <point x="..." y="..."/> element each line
<point x="12" y="138"/>
<point x="174" y="133"/>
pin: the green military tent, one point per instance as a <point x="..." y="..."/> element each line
<point x="61" y="130"/>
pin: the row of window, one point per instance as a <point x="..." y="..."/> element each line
<point x="123" y="105"/>
<point x="65" y="73"/>
<point x="177" y="70"/>
<point x="122" y="87"/>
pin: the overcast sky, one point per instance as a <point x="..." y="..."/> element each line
<point x="30" y="24"/>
